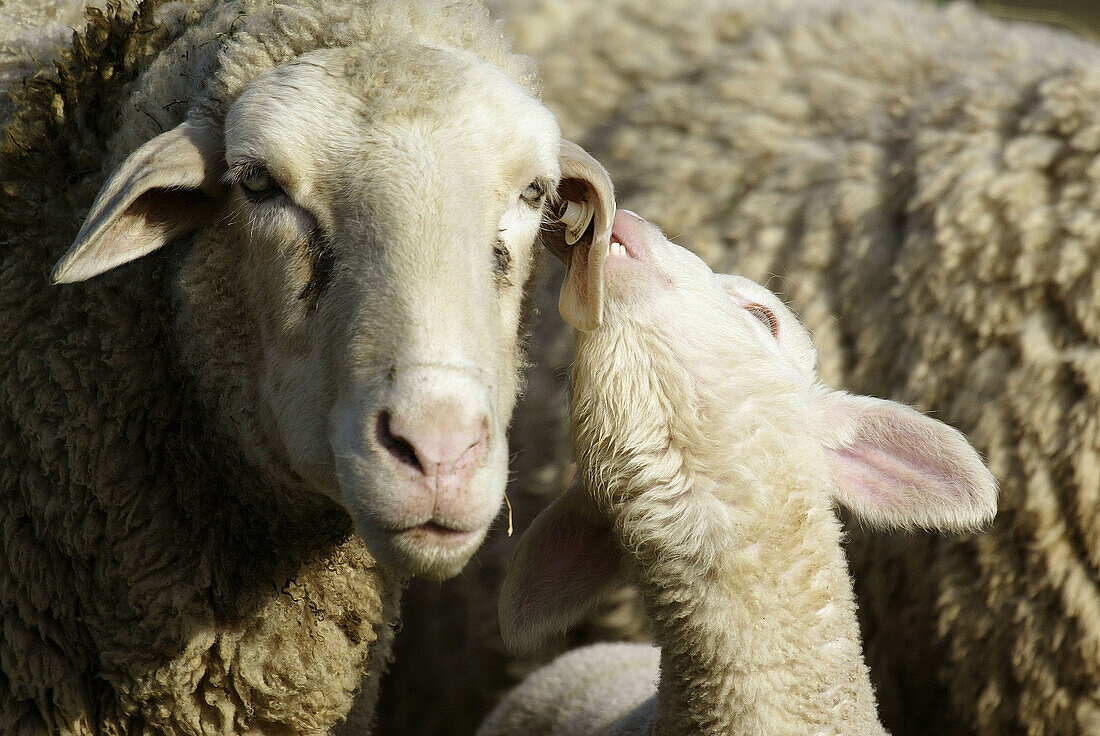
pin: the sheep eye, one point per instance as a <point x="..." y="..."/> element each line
<point x="255" y="181"/>
<point x="259" y="182"/>
<point x="533" y="194"/>
<point x="766" y="316"/>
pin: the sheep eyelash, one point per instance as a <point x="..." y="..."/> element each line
<point x="766" y="316"/>
<point x="502" y="263"/>
<point x="542" y="187"/>
<point x="322" y="265"/>
<point x="242" y="171"/>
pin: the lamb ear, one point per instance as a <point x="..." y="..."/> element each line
<point x="164" y="189"/>
<point x="564" y="564"/>
<point x="895" y="467"/>
<point x="579" y="234"/>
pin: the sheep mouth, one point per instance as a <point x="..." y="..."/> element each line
<point x="434" y="550"/>
<point x="429" y="526"/>
<point x="430" y="550"/>
<point x="435" y="534"/>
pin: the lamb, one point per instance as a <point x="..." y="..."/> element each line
<point x="709" y="458"/>
<point x="273" y="379"/>
<point x="920" y="183"/>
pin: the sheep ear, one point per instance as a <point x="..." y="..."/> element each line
<point x="895" y="467"/>
<point x="564" y="564"/>
<point x="163" y="190"/>
<point x="580" y="234"/>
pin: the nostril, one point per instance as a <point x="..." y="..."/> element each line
<point x="478" y="444"/>
<point x="400" y="448"/>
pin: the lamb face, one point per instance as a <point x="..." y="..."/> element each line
<point x="365" y="227"/>
<point x="680" y="357"/>
<point x="711" y="378"/>
<point x="710" y="459"/>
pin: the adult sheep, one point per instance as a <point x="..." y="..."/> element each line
<point x="337" y="206"/>
<point x="923" y="182"/>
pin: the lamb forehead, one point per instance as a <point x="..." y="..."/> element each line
<point x="322" y="106"/>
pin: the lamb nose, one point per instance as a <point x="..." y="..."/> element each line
<point x="437" y="443"/>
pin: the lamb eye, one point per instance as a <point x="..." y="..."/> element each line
<point x="533" y="194"/>
<point x="766" y="316"/>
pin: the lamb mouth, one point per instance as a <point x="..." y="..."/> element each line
<point x="620" y="248"/>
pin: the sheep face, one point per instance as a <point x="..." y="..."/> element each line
<point x="677" y="347"/>
<point x="366" y="223"/>
<point x="711" y="379"/>
<point x="402" y="241"/>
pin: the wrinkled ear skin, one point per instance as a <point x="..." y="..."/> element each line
<point x="565" y="563"/>
<point x="582" y="179"/>
<point x="165" y="189"/>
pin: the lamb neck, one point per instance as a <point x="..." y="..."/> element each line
<point x="763" y="638"/>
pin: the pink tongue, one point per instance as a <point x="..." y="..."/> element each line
<point x="581" y="300"/>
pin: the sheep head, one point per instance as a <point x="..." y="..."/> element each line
<point x="362" y="229"/>
<point x="696" y="410"/>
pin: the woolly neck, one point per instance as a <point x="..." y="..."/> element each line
<point x="727" y="522"/>
<point x="760" y="637"/>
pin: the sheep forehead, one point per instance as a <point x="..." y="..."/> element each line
<point x="317" y="112"/>
<point x="487" y="123"/>
<point x="490" y="101"/>
<point x="292" y="114"/>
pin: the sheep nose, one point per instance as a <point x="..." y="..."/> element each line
<point x="438" y="441"/>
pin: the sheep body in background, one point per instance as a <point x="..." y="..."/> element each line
<point x="31" y="36"/>
<point x="710" y="458"/>
<point x="920" y="183"/>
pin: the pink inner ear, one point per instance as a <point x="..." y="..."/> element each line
<point x="868" y="469"/>
<point x="904" y="469"/>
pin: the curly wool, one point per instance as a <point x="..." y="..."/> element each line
<point x="32" y="34"/>
<point x="922" y="184"/>
<point x="151" y="581"/>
